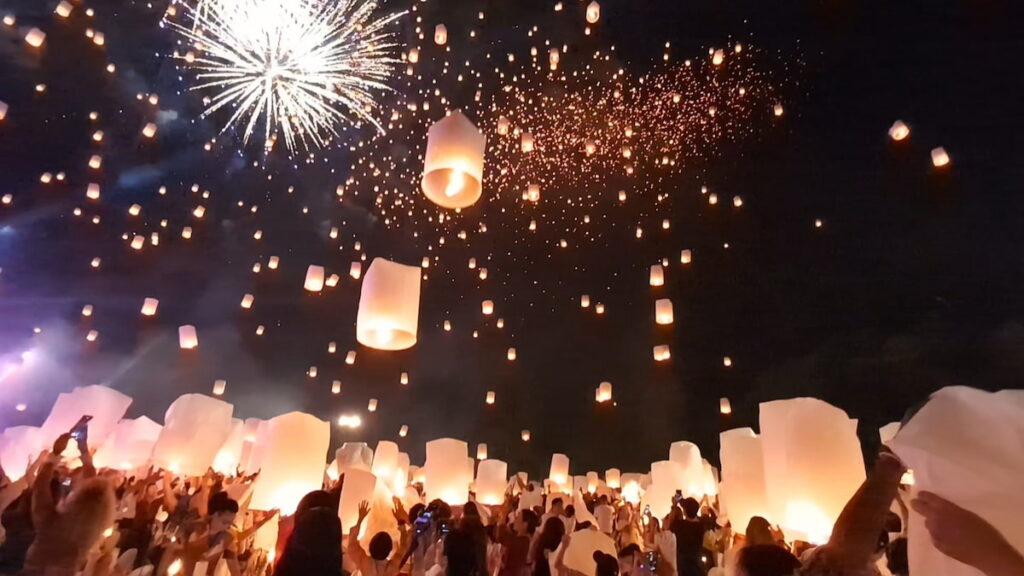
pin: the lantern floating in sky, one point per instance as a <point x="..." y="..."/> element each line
<point x="219" y="386"/>
<point x="294" y="448"/>
<point x="440" y="35"/>
<point x="724" y="406"/>
<point x="95" y="162"/>
<point x="483" y="274"/>
<point x="533" y="193"/>
<point x="511" y="353"/>
<point x="777" y="110"/>
<point x="149" y="306"/>
<point x="260" y="330"/>
<point x="491" y="479"/>
<point x="604" y="392"/>
<point x="3" y="109"/>
<point x="657" y="275"/>
<point x="389" y="305"/>
<point x="371" y="406"/>
<point x="712" y="199"/>
<point x="355" y="270"/>
<point x="593" y="12"/>
<point x="490" y="397"/>
<point x="899" y="131"/>
<point x="336" y="387"/>
<point x="454" y="162"/>
<point x="314" y="279"/>
<point x="187" y="337"/>
<point x="35" y="37"/>
<point x="737" y="201"/>
<point x="186" y="232"/>
<point x="247" y="301"/>
<point x="585" y="301"/>
<point x="525" y="435"/>
<point x="137" y="242"/>
<point x="149" y="130"/>
<point x="92" y="335"/>
<point x="481" y="451"/>
<point x="350" y="358"/>
<point x="403" y="431"/>
<point x="87" y="310"/>
<point x="526" y="142"/>
<point x="662" y="353"/>
<point x="743" y="481"/>
<point x="414" y="55"/>
<point x="818" y="223"/>
<point x="717" y="57"/>
<point x="553" y="58"/>
<point x="559" y="470"/>
<point x="663" y="311"/>
<point x="727" y="362"/>
<point x="599" y="308"/>
<point x="92" y="191"/>
<point x="487" y="307"/>
<point x="503" y="125"/>
<point x="939" y="157"/>
<point x="590" y="147"/>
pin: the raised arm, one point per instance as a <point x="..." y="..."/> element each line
<point x="355" y="550"/>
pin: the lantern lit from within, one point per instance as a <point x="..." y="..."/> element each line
<point x="717" y="57"/>
<point x="355" y="270"/>
<point x="294" y="448"/>
<point x="724" y="406"/>
<point x="149" y="306"/>
<point x="92" y="335"/>
<point x="403" y="431"/>
<point x="187" y="337"/>
<point x="414" y="55"/>
<point x="737" y="201"/>
<point x="599" y="308"/>
<point x="487" y="307"/>
<point x="525" y="436"/>
<point x="727" y="362"/>
<point x="585" y="301"/>
<point x="350" y="358"/>
<point x="663" y="312"/>
<point x="95" y="162"/>
<point x="685" y="257"/>
<point x="559" y="470"/>
<point x="657" y="275"/>
<point x="314" y="279"/>
<point x="604" y="392"/>
<point x="503" y="126"/>
<point x="777" y="110"/>
<point x="490" y="398"/>
<point x="526" y="142"/>
<point x="92" y="191"/>
<point x="899" y="131"/>
<point x="186" y="232"/>
<point x="247" y="301"/>
<point x="87" y="310"/>
<point x="3" y="109"/>
<point x="219" y="386"/>
<point x="481" y="451"/>
<point x="662" y="353"/>
<point x="447" y="471"/>
<point x="491" y="479"/>
<point x="35" y="37"/>
<point x="149" y="130"/>
<point x="939" y="157"/>
<point x="454" y="162"/>
<point x="440" y="35"/>
<point x="533" y="193"/>
<point x="371" y="406"/>
<point x="389" y="305"/>
<point x="593" y="12"/>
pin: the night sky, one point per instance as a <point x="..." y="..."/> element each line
<point x="911" y="283"/>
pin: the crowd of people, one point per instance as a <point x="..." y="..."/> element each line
<point x="58" y="521"/>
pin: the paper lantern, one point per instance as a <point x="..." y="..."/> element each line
<point x="87" y="310"/>
<point x="511" y="354"/>
<point x="812" y="463"/>
<point x="939" y="157"/>
<point x="592" y="482"/>
<point x="483" y="273"/>
<point x="662" y="353"/>
<point x="481" y="451"/>
<point x="526" y="142"/>
<point x="440" y="35"/>
<point x="355" y="270"/>
<point x="389" y="305"/>
<point x="503" y="125"/>
<point x="219" y="387"/>
<point x="663" y="311"/>
<point x="149" y="306"/>
<point x="446" y="471"/>
<point x="737" y="201"/>
<point x="743" y="491"/>
<point x="711" y="482"/>
<point x="559" y="471"/>
<point x="525" y="435"/>
<point x="187" y="337"/>
<point x="314" y="279"/>
<point x="777" y="110"/>
<point x="149" y="130"/>
<point x="106" y="406"/>
<point x="186" y="232"/>
<point x="63" y="9"/>
<point x="92" y="191"/>
<point x="593" y="12"/>
<point x="414" y="55"/>
<point x="3" y="109"/>
<point x="612" y="476"/>
<point x="403" y="431"/>
<point x="273" y="262"/>
<point x="487" y="307"/>
<point x="727" y="362"/>
<point x="724" y="406"/>
<point x="490" y="398"/>
<point x="359" y="487"/>
<point x="404" y="379"/>
<point x="354" y="456"/>
<point x="195" y="427"/>
<point x="371" y="406"/>
<point x="129" y="446"/>
<point x="336" y="387"/>
<point x="332" y="280"/>
<point x="229" y="457"/>
<point x="35" y="37"/>
<point x="899" y="131"/>
<point x="585" y="301"/>
<point x="533" y="193"/>
<point x="454" y="162"/>
<point x="19" y="447"/>
<point x="385" y="459"/>
<point x="657" y="275"/>
<point x="579" y="553"/>
<point x="604" y="392"/>
<point x="599" y="308"/>
<point x="491" y="480"/>
<point x="691" y="479"/>
<point x="350" y="358"/>
<point x="247" y="301"/>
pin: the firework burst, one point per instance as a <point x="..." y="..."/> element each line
<point x="297" y="69"/>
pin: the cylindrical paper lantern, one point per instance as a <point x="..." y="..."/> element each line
<point x="899" y="130"/>
<point x="403" y="431"/>
<point x="525" y="435"/>
<point x="585" y="301"/>
<point x="503" y="125"/>
<point x="662" y="353"/>
<point x="3" y="110"/>
<point x="691" y="479"/>
<point x="359" y="487"/>
<point x="149" y="306"/>
<point x="743" y="486"/>
<point x="490" y="397"/>
<point x="230" y="454"/>
<point x="247" y="301"/>
<point x="593" y="12"/>
<point x="685" y="257"/>
<point x="511" y="354"/>
<point x="195" y="427"/>
<point x="446" y="471"/>
<point x="612" y="477"/>
<point x="219" y="386"/>
<point x="187" y="337"/>
<point x="106" y="406"/>
<point x="487" y="307"/>
<point x="35" y="37"/>
<point x="491" y="479"/>
<point x="592" y="482"/>
<point x="385" y="459"/>
<point x="440" y="35"/>
<point x="663" y="311"/>
<point x="724" y="406"/>
<point x="19" y="447"/>
<point x="129" y="446"/>
<point x="355" y="270"/>
<point x="354" y="456"/>
<point x="371" y="406"/>
<point x="939" y="157"/>
<point x="389" y="306"/>
<point x="526" y="142"/>
<point x="559" y="471"/>
<point x="454" y="162"/>
<point x="604" y="392"/>
<point x="657" y="275"/>
<point x="481" y="451"/>
<point x="314" y="279"/>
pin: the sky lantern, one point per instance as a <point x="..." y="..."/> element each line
<point x="503" y="125"/>
<point x="558" y="473"/>
<point x="589" y="147"/>
<point x="404" y="379"/>
<point x="359" y="487"/>
<point x="19" y="447"/>
<point x="350" y="358"/>
<point x="314" y="279"/>
<point x="385" y="459"/>
<point x="355" y="270"/>
<point x="92" y="191"/>
<point x="481" y="451"/>
<point x="87" y="310"/>
<point x="371" y="405"/>
<point x="491" y="480"/>
<point x="526" y="142"/>
<point x="92" y="336"/>
<point x="585" y="301"/>
<point x="3" y="109"/>
<point x="717" y="57"/>
<point x="612" y="478"/>
<point x="454" y="162"/>
<point x="727" y="362"/>
<point x="742" y="489"/>
<point x="186" y="232"/>
<point x="657" y="275"/>
<point x="599" y="308"/>
<point x="713" y="199"/>
<point x="662" y="353"/>
<point x="440" y="35"/>
<point x="447" y="474"/>
<point x="899" y="131"/>
<point x="511" y="354"/>
<point x="525" y="436"/>
<point x="219" y="387"/>
<point x="149" y="306"/>
<point x="414" y="55"/>
<point x="939" y="157"/>
<point x="553" y="58"/>
<point x="389" y="305"/>
<point x="490" y="398"/>
<point x="403" y="431"/>
<point x="663" y="311"/>
<point x="737" y="201"/>
<point x="149" y="130"/>
<point x="273" y="262"/>
<point x="777" y="109"/>
<point x="603" y="393"/>
<point x="187" y="337"/>
<point x="35" y="37"/>
<point x="129" y="446"/>
<point x="813" y="464"/>
<point x="533" y="193"/>
<point x="195" y="428"/>
<point x="724" y="406"/>
<point x="593" y="12"/>
<point x="487" y="307"/>
<point x="336" y="387"/>
<point x="106" y="406"/>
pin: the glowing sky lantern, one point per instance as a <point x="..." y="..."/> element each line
<point x="491" y="479"/>
<point x="358" y="487"/>
<point x="559" y="470"/>
<point x="63" y="9"/>
<point x="414" y="55"/>
<point x="389" y="305"/>
<point x="447" y="475"/>
<point x="812" y="463"/>
<point x="149" y="306"/>
<point x="247" y="301"/>
<point x="353" y="456"/>
<point x="371" y="405"/>
<point x="899" y="131"/>
<point x="454" y="162"/>
<point x="19" y="447"/>
<point x="403" y="431"/>
<point x="691" y="479"/>
<point x="106" y="406"/>
<point x="511" y="355"/>
<point x="195" y="427"/>
<point x="585" y="301"/>
<point x="777" y="110"/>
<point x="662" y="353"/>
<point x="525" y="435"/>
<point x="526" y="143"/>
<point x="489" y="399"/>
<point x="487" y="307"/>
<point x="481" y="451"/>
<point x="35" y="37"/>
<point x="724" y="406"/>
<point x="593" y="12"/>
<point x="440" y="35"/>
<point x="553" y="58"/>
<point x="129" y="445"/>
<point x="603" y="392"/>
<point x="657" y="275"/>
<point x="385" y="459"/>
<point x="533" y="193"/>
<point x="149" y="130"/>
<point x="92" y="191"/>
<point x="939" y="157"/>
<point x="187" y="337"/>
<point x="314" y="279"/>
<point x="503" y="125"/>
<point x="663" y="311"/>
<point x="355" y="270"/>
<point x="612" y="477"/>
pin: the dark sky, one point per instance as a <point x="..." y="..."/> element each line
<point x="913" y="282"/>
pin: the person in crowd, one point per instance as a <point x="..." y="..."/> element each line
<point x="515" y="539"/>
<point x="766" y="560"/>
<point x="607" y="565"/>
<point x="314" y="547"/>
<point x="689" y="530"/>
<point x="209" y="541"/>
<point x="604" y="513"/>
<point x="630" y="560"/>
<point x="465" y="547"/>
<point x="662" y="541"/>
<point x="627" y="530"/>
<point x="381" y="559"/>
<point x="545" y="545"/>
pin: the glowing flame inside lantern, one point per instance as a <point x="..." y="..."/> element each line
<point x="806" y="518"/>
<point x="456" y="182"/>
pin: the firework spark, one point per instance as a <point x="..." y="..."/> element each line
<point x="299" y="69"/>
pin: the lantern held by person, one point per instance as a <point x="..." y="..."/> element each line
<point x="195" y="427"/>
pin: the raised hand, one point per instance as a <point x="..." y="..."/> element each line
<point x="364" y="510"/>
<point x="967" y="537"/>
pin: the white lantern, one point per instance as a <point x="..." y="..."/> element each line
<point x="389" y="306"/>
<point x="314" y="279"/>
<point x="533" y="193"/>
<point x="526" y="142"/>
<point x="440" y="35"/>
<point x="724" y="406"/>
<point x="129" y="446"/>
<point x="657" y="275"/>
<point x="899" y="131"/>
<point x="491" y="479"/>
<point x="777" y="110"/>
<point x="687" y="455"/>
<point x="354" y="456"/>
<point x="403" y="431"/>
<point x="743" y="490"/>
<point x="195" y="427"/>
<point x="247" y="301"/>
<point x="662" y="353"/>
<point x="593" y="12"/>
<point x="481" y="451"/>
<point x="187" y="337"/>
<point x="503" y="125"/>
<point x="511" y="354"/>
<point x="559" y="471"/>
<point x="19" y="447"/>
<point x="385" y="459"/>
<point x="149" y="130"/>
<point x="3" y="109"/>
<point x="106" y="406"/>
<point x="229" y="457"/>
<point x="355" y="270"/>
<point x="685" y="257"/>
<point x="358" y="487"/>
<point x="446" y="473"/>
<point x="585" y="301"/>
<point x="612" y="478"/>
<point x="604" y="392"/>
<point x="149" y="306"/>
<point x="813" y="464"/>
<point x="490" y="398"/>
<point x="63" y="9"/>
<point x="35" y="37"/>
<point x="592" y="482"/>
<point x="454" y="162"/>
<point x="487" y="307"/>
<point x="525" y="435"/>
<point x="939" y="157"/>
<point x="219" y="387"/>
<point x="579" y="553"/>
<point x="371" y="405"/>
<point x="663" y="311"/>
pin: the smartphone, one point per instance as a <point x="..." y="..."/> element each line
<point x="678" y="497"/>
<point x="423" y="522"/>
<point x="79" y="430"/>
